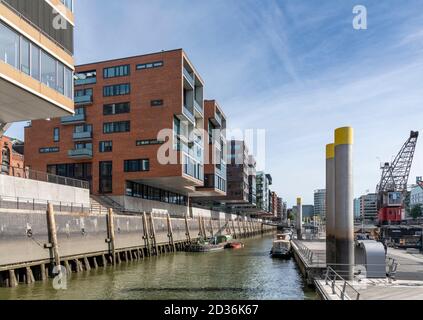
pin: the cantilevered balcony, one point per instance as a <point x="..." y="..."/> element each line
<point x="82" y="136"/>
<point x="198" y="109"/>
<point x="75" y="119"/>
<point x="81" y="154"/>
<point x="217" y="120"/>
<point x="189" y="77"/>
<point x="83" y="100"/>
<point x="80" y="82"/>
<point x="188" y="114"/>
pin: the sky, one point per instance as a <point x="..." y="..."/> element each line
<point x="295" y="68"/>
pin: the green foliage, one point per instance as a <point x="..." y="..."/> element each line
<point x="416" y="211"/>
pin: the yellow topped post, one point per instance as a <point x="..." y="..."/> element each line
<point x="344" y="135"/>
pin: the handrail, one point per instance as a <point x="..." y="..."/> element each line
<point x="343" y="288"/>
<point x="26" y="173"/>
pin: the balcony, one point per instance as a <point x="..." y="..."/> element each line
<point x="83" y="100"/>
<point x="80" y="82"/>
<point x="189" y="77"/>
<point x="217" y="120"/>
<point x="82" y="136"/>
<point x="81" y="153"/>
<point x="198" y="108"/>
<point x="188" y="114"/>
<point x="75" y="119"/>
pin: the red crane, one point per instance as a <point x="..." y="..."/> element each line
<point x="392" y="187"/>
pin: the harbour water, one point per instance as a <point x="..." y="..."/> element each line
<point x="248" y="273"/>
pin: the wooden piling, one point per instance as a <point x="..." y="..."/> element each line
<point x="111" y="235"/>
<point x="13" y="281"/>
<point x="170" y="229"/>
<point x="43" y="270"/>
<point x="187" y="233"/>
<point x="53" y="234"/>
<point x="146" y="233"/>
<point x="67" y="266"/>
<point x="153" y="230"/>
<point x="29" y="276"/>
<point x="95" y="264"/>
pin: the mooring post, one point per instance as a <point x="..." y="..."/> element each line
<point x="211" y="227"/>
<point x="52" y="230"/>
<point x="299" y="219"/>
<point x="13" y="282"/>
<point x="111" y="235"/>
<point x="146" y="233"/>
<point x="344" y="203"/>
<point x="330" y="205"/>
<point x="187" y="233"/>
<point x="233" y="228"/>
<point x="43" y="272"/>
<point x="170" y="229"/>
<point x="153" y="230"/>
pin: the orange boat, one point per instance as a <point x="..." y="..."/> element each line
<point x="234" y="245"/>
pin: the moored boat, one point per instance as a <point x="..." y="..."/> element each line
<point x="281" y="247"/>
<point x="234" y="245"/>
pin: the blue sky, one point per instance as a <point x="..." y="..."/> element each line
<point x="295" y="68"/>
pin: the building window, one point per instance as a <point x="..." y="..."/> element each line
<point x="106" y="177"/>
<point x="148" y="142"/>
<point x="56" y="134"/>
<point x="156" y="103"/>
<point x="80" y="171"/>
<point x="137" y="165"/>
<point x="138" y="190"/>
<point x="23" y="55"/>
<point x="106" y="146"/>
<point x="49" y="150"/>
<point x="115" y="127"/>
<point x="84" y="92"/>
<point x="119" y="71"/>
<point x="116" y="90"/>
<point x="116" y="108"/>
<point x="150" y="65"/>
<point x="83" y="145"/>
<point x="68" y="4"/>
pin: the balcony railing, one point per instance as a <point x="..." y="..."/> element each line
<point x="193" y="168"/>
<point x="188" y="114"/>
<point x="84" y="135"/>
<point x="198" y="107"/>
<point x="77" y="118"/>
<point x="83" y="153"/>
<point x="80" y="82"/>
<point x="189" y="77"/>
<point x="26" y="173"/>
<point x="86" y="99"/>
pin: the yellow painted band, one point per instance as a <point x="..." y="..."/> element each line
<point x="330" y="151"/>
<point x="344" y="135"/>
<point x="299" y="200"/>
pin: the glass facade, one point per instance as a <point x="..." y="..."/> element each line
<point x="25" y="56"/>
<point x="137" y="190"/>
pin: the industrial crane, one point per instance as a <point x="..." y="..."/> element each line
<point x="392" y="188"/>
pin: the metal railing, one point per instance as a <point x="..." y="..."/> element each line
<point x="189" y="77"/>
<point x="30" y="174"/>
<point x="315" y="258"/>
<point x="21" y="203"/>
<point x="331" y="279"/>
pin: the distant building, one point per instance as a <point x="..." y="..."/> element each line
<point x="308" y="210"/>
<point x="252" y="173"/>
<point x="279" y="210"/>
<point x="11" y="157"/>
<point x="320" y="203"/>
<point x="273" y="203"/>
<point x="263" y="183"/>
<point x="368" y="207"/>
<point x="356" y="208"/>
<point x="416" y="194"/>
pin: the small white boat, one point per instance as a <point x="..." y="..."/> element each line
<point x="281" y="246"/>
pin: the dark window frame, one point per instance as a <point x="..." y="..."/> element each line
<point x="114" y="106"/>
<point x="116" y="71"/>
<point x="102" y="147"/>
<point x="136" y="165"/>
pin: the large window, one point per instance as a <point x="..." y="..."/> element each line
<point x="106" y="177"/>
<point x="115" y="127"/>
<point x="137" y="165"/>
<point x="119" y="71"/>
<point x="116" y="108"/>
<point x="116" y="90"/>
<point x="143" y="191"/>
<point x="106" y="146"/>
<point x="25" y="56"/>
<point x="80" y="171"/>
<point x="56" y="134"/>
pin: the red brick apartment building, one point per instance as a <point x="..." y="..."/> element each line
<point x="11" y="157"/>
<point x="112" y="140"/>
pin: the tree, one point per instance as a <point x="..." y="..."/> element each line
<point x="416" y="211"/>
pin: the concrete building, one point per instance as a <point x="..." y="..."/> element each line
<point x="136" y="134"/>
<point x="320" y="203"/>
<point x="279" y="210"/>
<point x="368" y="207"/>
<point x="11" y="157"/>
<point x="263" y="183"/>
<point x="36" y="60"/>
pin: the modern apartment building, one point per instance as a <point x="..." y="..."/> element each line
<point x="279" y="211"/>
<point x="137" y="131"/>
<point x="416" y="194"/>
<point x="215" y="152"/>
<point x="36" y="60"/>
<point x="320" y="203"/>
<point x="368" y="207"/>
<point x="357" y="208"/>
<point x="252" y="194"/>
<point x="263" y="182"/>
<point x="273" y="204"/>
<point x="238" y="173"/>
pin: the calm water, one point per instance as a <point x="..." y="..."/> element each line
<point x="247" y="273"/>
